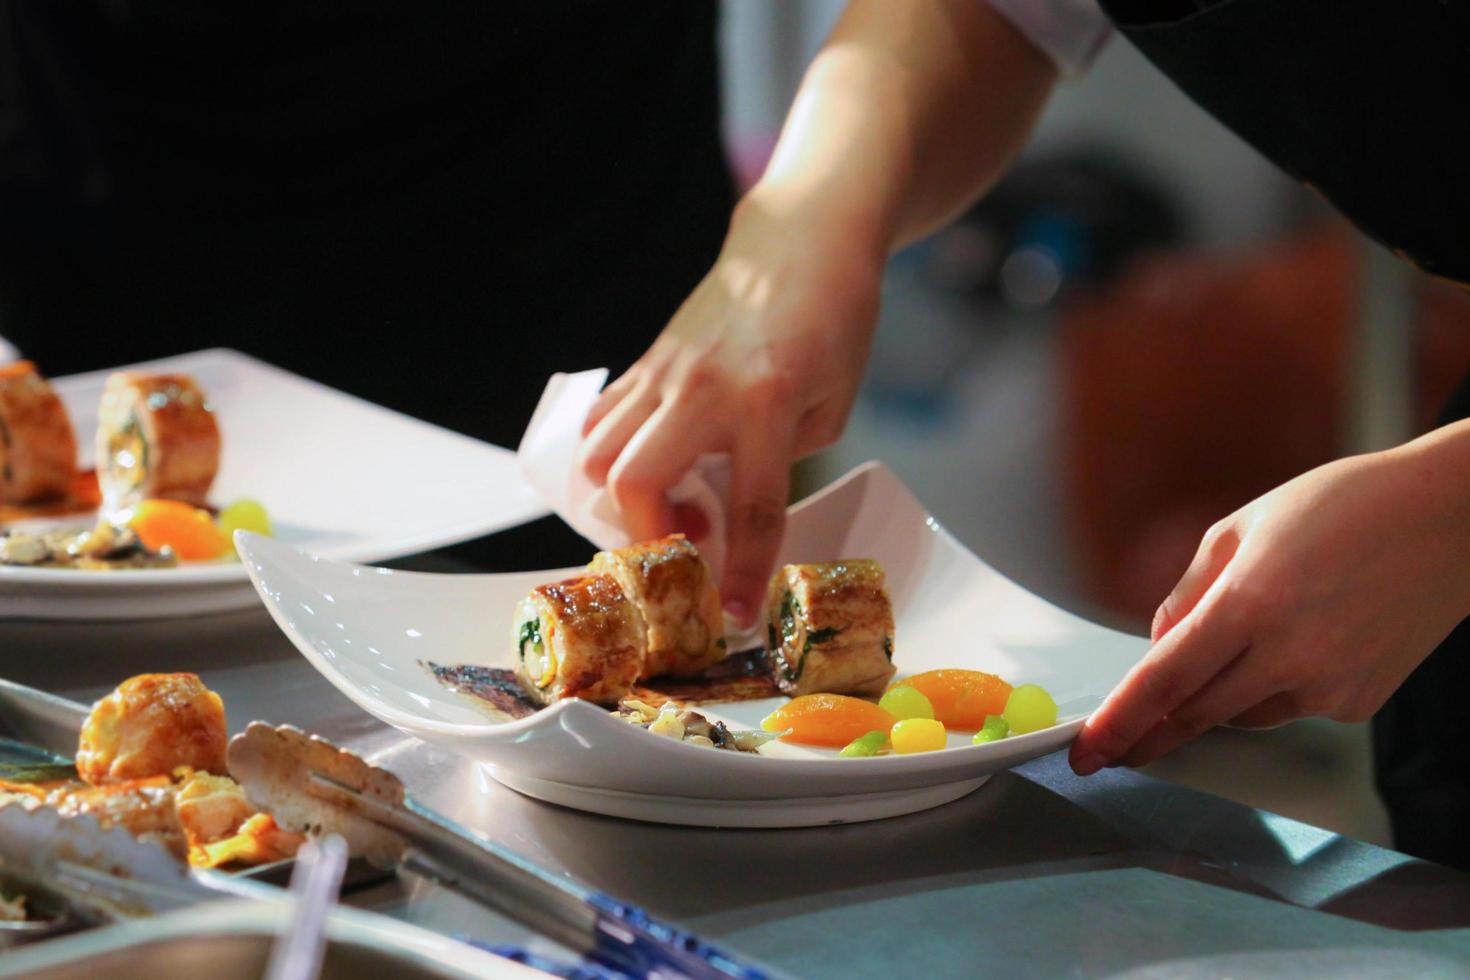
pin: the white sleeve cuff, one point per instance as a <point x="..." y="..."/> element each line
<point x="1070" y="32"/>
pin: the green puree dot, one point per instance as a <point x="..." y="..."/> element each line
<point x="906" y="702"/>
<point x="994" y="729"/>
<point x="865" y="745"/>
<point x="1030" y="709"/>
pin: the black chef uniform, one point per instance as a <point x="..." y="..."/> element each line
<point x="433" y="204"/>
<point x="1363" y="102"/>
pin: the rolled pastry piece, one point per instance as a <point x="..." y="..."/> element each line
<point x="676" y="595"/>
<point x="580" y="638"/>
<point x="829" y="628"/>
<point x="156" y="437"/>
<point x="151" y="725"/>
<point x="38" y="450"/>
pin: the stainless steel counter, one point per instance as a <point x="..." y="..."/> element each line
<point x="1038" y="873"/>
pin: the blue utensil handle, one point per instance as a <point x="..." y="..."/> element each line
<point x="635" y="941"/>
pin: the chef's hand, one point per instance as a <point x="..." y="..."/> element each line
<point x="762" y="362"/>
<point x="1318" y="598"/>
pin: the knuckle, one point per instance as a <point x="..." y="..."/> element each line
<point x="1251" y="604"/>
<point x="771" y="387"/>
<point x="1188" y="724"/>
<point x="759" y="517"/>
<point x="1159" y="687"/>
<point x="626" y="481"/>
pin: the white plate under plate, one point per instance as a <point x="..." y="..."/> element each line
<point x="370" y="630"/>
<point x="340" y="476"/>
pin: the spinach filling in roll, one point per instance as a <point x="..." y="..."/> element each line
<point x="156" y="437"/>
<point x="580" y="638"/>
<point x="829" y="628"/>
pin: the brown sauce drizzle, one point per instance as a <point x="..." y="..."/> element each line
<point x="81" y="497"/>
<point x="744" y="676"/>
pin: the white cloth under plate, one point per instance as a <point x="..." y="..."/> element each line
<point x="1071" y="32"/>
<point x="548" y="460"/>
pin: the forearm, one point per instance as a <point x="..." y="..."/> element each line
<point x="911" y="110"/>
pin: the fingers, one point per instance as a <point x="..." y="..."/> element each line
<point x="654" y="459"/>
<point x="1234" y="690"/>
<point x="608" y="439"/>
<point x="1171" y="673"/>
<point x="760" y="482"/>
<point x="1273" y="712"/>
<point x="1215" y="551"/>
<point x="608" y="399"/>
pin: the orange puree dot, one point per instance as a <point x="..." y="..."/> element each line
<point x="961" y="698"/>
<point x="189" y="531"/>
<point x="827" y="719"/>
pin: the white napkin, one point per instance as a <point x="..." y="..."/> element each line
<point x="548" y="460"/>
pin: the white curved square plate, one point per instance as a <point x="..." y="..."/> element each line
<point x="296" y="446"/>
<point x="369" y="630"/>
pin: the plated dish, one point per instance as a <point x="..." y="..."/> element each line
<point x="371" y="632"/>
<point x="282" y="440"/>
<point x="641" y="632"/>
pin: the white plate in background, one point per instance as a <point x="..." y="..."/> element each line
<point x="340" y="476"/>
<point x="370" y="630"/>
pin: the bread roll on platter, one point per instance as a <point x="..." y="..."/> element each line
<point x="38" y="451"/>
<point x="829" y="627"/>
<point x="675" y="594"/>
<point x="580" y="638"/>
<point x="156" y="437"/>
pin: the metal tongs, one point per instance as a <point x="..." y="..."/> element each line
<point x="306" y="782"/>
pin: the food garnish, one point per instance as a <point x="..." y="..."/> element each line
<point x="244" y="514"/>
<point x="186" y="530"/>
<point x="903" y="701"/>
<point x="826" y="719"/>
<point x="961" y="698"/>
<point x="866" y="745"/>
<point x="690" y="727"/>
<point x="994" y="729"/>
<point x="102" y="548"/>
<point x="916" y="735"/>
<point x="1030" y="709"/>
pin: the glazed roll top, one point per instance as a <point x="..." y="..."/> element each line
<point x="829" y="628"/>
<point x="580" y="638"/>
<point x="38" y="451"/>
<point x="672" y="587"/>
<point x="156" y="437"/>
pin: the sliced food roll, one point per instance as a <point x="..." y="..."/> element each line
<point x="38" y="451"/>
<point x="156" y="437"/>
<point x="829" y="628"/>
<point x="672" y="587"/>
<point x="580" y="638"/>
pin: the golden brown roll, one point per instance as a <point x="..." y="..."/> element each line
<point x="829" y="628"/>
<point x="580" y="638"/>
<point x="156" y="437"/>
<point x="151" y="725"/>
<point x="671" y="586"/>
<point x="38" y="450"/>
